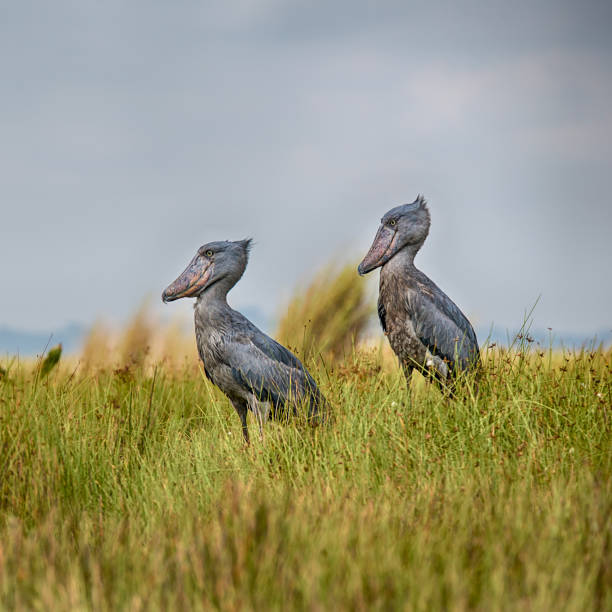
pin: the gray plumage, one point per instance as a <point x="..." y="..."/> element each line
<point x="252" y="369"/>
<point x="425" y="328"/>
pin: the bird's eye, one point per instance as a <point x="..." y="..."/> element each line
<point x="208" y="253"/>
<point x="393" y="222"/>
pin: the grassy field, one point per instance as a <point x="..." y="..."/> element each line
<point x="125" y="482"/>
<point x="130" y="488"/>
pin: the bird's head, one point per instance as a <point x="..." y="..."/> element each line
<point x="403" y="225"/>
<point x="215" y="262"/>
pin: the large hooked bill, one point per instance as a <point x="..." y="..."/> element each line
<point x="382" y="249"/>
<point x="194" y="278"/>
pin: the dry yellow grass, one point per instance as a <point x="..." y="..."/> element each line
<point x="328" y="317"/>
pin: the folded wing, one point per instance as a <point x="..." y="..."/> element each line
<point x="270" y="371"/>
<point x="444" y="330"/>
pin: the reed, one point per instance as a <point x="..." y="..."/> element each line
<point x="328" y="317"/>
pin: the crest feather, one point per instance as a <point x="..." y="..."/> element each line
<point x="246" y="244"/>
<point x="421" y="201"/>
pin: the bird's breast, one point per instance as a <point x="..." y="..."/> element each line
<point x="210" y="343"/>
<point x="395" y="298"/>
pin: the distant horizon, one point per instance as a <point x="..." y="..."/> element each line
<point x="32" y="342"/>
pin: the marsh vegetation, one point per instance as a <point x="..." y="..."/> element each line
<point x="125" y="483"/>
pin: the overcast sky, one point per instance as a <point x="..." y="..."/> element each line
<point x="133" y="132"/>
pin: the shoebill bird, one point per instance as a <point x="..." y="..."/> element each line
<point x="424" y="326"/>
<point x="254" y="371"/>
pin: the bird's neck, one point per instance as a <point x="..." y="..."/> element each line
<point x="403" y="260"/>
<point x="212" y="302"/>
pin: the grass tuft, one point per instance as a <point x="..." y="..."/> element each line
<point x="328" y="317"/>
<point x="51" y="360"/>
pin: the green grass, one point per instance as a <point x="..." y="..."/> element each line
<point x="124" y="490"/>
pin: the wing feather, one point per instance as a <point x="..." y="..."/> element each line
<point x="443" y="329"/>
<point x="271" y="372"/>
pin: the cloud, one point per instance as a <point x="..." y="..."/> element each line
<point x="137" y="132"/>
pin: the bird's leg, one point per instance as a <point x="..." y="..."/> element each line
<point x="429" y="369"/>
<point x="447" y="386"/>
<point x="408" y="368"/>
<point x="407" y="373"/>
<point x="260" y="415"/>
<point x="245" y="428"/>
<point x="317" y="414"/>
<point x="443" y="376"/>
<point x="241" y="409"/>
